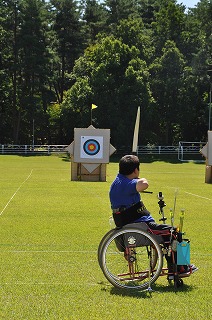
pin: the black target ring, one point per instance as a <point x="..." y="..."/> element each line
<point x="91" y="147"/>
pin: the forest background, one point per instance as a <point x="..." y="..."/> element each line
<point x="57" y="57"/>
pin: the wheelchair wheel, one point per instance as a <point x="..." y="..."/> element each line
<point x="130" y="258"/>
<point x="178" y="283"/>
<point x="106" y="236"/>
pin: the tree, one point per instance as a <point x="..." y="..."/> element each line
<point x="132" y="32"/>
<point x="57" y="57"/>
<point x="111" y="75"/>
<point x="8" y="73"/>
<point x="95" y="16"/>
<point x="70" y="40"/>
<point x="203" y="12"/>
<point x="147" y="10"/>
<point x="34" y="62"/>
<point x="169" y="24"/>
<point x="119" y="10"/>
<point x="167" y="73"/>
<point x="201" y="62"/>
<point x="192" y="107"/>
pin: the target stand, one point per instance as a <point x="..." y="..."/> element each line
<point x="90" y="152"/>
<point x="206" y="151"/>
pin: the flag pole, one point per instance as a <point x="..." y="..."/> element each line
<point x="91" y="114"/>
<point x="93" y="106"/>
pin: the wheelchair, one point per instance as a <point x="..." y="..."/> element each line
<point x="132" y="256"/>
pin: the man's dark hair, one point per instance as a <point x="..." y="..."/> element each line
<point x="128" y="164"/>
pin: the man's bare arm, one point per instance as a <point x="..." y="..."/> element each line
<point x="142" y="184"/>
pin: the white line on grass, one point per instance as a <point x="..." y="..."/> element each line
<point x="49" y="251"/>
<point x="16" y="192"/>
<point x="50" y="283"/>
<point x="76" y="252"/>
<point x="196" y="195"/>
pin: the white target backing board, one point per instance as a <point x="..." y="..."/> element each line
<point x="207" y="149"/>
<point x="91" y="145"/>
<point x="210" y="148"/>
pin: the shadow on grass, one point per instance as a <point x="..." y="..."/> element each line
<point x="125" y="292"/>
<point x="150" y="158"/>
<point x="148" y="293"/>
<point x="130" y="293"/>
<point x="66" y="158"/>
<point x="171" y="288"/>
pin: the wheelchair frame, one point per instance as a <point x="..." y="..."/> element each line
<point x="132" y="257"/>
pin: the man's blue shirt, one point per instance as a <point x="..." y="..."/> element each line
<point x="123" y="193"/>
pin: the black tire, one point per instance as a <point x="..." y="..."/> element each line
<point x="106" y="236"/>
<point x="178" y="283"/>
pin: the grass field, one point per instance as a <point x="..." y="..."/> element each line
<point x="50" y="228"/>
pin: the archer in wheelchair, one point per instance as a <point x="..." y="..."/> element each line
<point x="131" y="254"/>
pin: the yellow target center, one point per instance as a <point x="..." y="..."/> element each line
<point x="91" y="147"/>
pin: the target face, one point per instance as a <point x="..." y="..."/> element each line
<point x="91" y="147"/>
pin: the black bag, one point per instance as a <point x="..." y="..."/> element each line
<point x="129" y="215"/>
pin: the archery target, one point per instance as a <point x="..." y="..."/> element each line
<point x="91" y="147"/>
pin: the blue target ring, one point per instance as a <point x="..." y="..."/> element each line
<point x="91" y="147"/>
